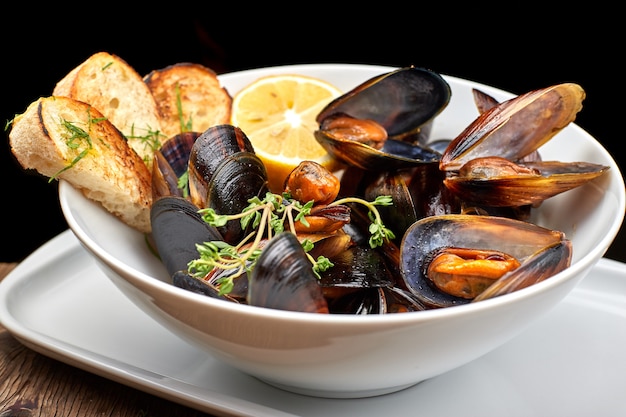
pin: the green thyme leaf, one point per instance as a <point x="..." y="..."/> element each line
<point x="267" y="217"/>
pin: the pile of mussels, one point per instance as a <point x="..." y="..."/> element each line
<point x="459" y="215"/>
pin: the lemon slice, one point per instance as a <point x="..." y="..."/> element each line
<point x="277" y="113"/>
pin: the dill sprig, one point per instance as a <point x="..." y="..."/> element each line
<point x="185" y="126"/>
<point x="78" y="140"/>
<point x="151" y="139"/>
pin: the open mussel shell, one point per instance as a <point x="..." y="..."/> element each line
<point x="543" y="264"/>
<point x="515" y="128"/>
<point x="176" y="229"/>
<point x="483" y="100"/>
<point x="394" y="154"/>
<point x="283" y="278"/>
<point x="404" y="103"/>
<point x="401" y="101"/>
<point x="552" y="178"/>
<point x="520" y="239"/>
<point x="416" y="193"/>
<point x="164" y="179"/>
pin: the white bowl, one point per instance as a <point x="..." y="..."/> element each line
<point x="346" y="356"/>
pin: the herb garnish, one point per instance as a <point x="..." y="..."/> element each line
<point x="183" y="183"/>
<point x="267" y="218"/>
<point x="78" y="139"/>
<point x="185" y="126"/>
<point x="151" y="140"/>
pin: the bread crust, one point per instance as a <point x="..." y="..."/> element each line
<point x="53" y="133"/>
<point x="204" y="101"/>
<point x="111" y="85"/>
<point x="119" y="113"/>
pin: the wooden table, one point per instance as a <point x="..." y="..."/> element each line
<point x="32" y="384"/>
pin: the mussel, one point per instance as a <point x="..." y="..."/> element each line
<point x="184" y="280"/>
<point x="356" y="269"/>
<point x="177" y="228"/>
<point x="362" y="281"/>
<point x="325" y="244"/>
<point x="498" y="182"/>
<point x="510" y="254"/>
<point x="311" y="183"/>
<point x="236" y="180"/>
<point x="514" y="128"/>
<point x="401" y="101"/>
<point x="378" y="124"/>
<point x="483" y="101"/>
<point x="171" y="161"/>
<point x="416" y="193"/>
<point x="460" y="208"/>
<point x="223" y="172"/>
<point x="211" y="149"/>
<point x="283" y="278"/>
<point x="494" y="162"/>
<point x="376" y="300"/>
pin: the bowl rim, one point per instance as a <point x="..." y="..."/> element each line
<point x="66" y="191"/>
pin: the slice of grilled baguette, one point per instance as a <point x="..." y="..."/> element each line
<point x="111" y="85"/>
<point x="203" y="100"/>
<point x="63" y="138"/>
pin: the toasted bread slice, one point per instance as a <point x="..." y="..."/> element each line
<point x="111" y="85"/>
<point x="203" y="100"/>
<point x="63" y="138"/>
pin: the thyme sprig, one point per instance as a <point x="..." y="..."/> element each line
<point x="266" y="218"/>
<point x="379" y="233"/>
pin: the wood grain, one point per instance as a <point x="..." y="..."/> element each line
<point x="32" y="384"/>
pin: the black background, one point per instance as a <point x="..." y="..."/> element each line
<point x="523" y="50"/>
